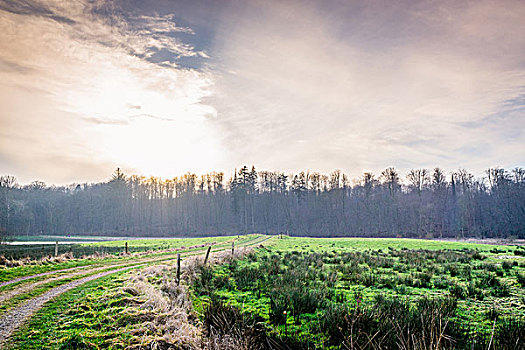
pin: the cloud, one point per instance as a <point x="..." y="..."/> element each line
<point x="289" y="85"/>
<point x="70" y="92"/>
<point x="9" y="66"/>
<point x="378" y="84"/>
<point x="32" y="8"/>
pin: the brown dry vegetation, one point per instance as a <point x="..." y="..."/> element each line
<point x="162" y="312"/>
<point x="28" y="261"/>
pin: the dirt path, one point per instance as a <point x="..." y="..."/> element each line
<point x="39" y="275"/>
<point x="16" y="317"/>
<point x="89" y="268"/>
<point x="5" y="283"/>
<point x="30" y="286"/>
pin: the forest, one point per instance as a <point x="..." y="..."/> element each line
<point x="423" y="203"/>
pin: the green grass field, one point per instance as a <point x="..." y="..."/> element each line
<point x="304" y="293"/>
<point x="52" y="238"/>
<point x="161" y="243"/>
<point x="152" y="247"/>
<point x="320" y="245"/>
<point x="108" y="246"/>
<point x="306" y="290"/>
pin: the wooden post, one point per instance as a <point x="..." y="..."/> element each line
<point x="178" y="269"/>
<point x="207" y="255"/>
<point x="127" y="248"/>
<point x="56" y="248"/>
<point x="233" y="247"/>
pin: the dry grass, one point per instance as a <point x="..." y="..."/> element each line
<point x="173" y="324"/>
<point x="28" y="261"/>
<point x="97" y="255"/>
<point x="171" y="321"/>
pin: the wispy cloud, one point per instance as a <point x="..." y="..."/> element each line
<point x="380" y="83"/>
<point x="201" y="85"/>
<point x="33" y="8"/>
<point x="73" y="87"/>
<point x="9" y="66"/>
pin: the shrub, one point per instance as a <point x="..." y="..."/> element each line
<point x="510" y="334"/>
<point x="368" y="279"/>
<point x="246" y="277"/>
<point x="519" y="251"/>
<point x="425" y="278"/>
<point x="458" y="291"/>
<point x="305" y="302"/>
<point x="488" y="279"/>
<point x="278" y="305"/>
<point x="453" y="269"/>
<point x="490" y="267"/>
<point x="203" y="283"/>
<point x="389" y="323"/>
<point x="442" y="282"/>
<point x="507" y="265"/>
<point x="521" y="278"/>
<point x="466" y="272"/>
<point x="344" y="325"/>
<point x="474" y="292"/>
<point x="227" y="328"/>
<point x="76" y="341"/>
<point x="493" y="313"/>
<point x="502" y="290"/>
<point x="222" y="281"/>
<point x="477" y="256"/>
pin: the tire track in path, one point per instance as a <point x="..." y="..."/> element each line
<point x="23" y="278"/>
<point x="7" y="295"/>
<point x="16" y="317"/>
<point x="39" y="275"/>
<point x="30" y="286"/>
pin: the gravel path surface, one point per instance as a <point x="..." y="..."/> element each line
<point x="38" y="275"/>
<point x="16" y="317"/>
<point x="30" y="286"/>
<point x="5" y="283"/>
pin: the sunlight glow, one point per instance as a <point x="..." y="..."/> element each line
<point x="150" y="128"/>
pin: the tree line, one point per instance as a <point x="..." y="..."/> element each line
<point x="424" y="203"/>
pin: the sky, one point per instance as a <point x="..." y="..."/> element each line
<point x="165" y="87"/>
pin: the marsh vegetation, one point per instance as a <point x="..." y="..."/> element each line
<point x="299" y="293"/>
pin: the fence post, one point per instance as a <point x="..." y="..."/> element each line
<point x="233" y="247"/>
<point x="126" y="248"/>
<point x="207" y="255"/>
<point x="178" y="269"/>
<point x="56" y="248"/>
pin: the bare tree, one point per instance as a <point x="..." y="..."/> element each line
<point x="7" y="183"/>
<point x="418" y="179"/>
<point x="439" y="180"/>
<point x="390" y="178"/>
<point x="426" y="204"/>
